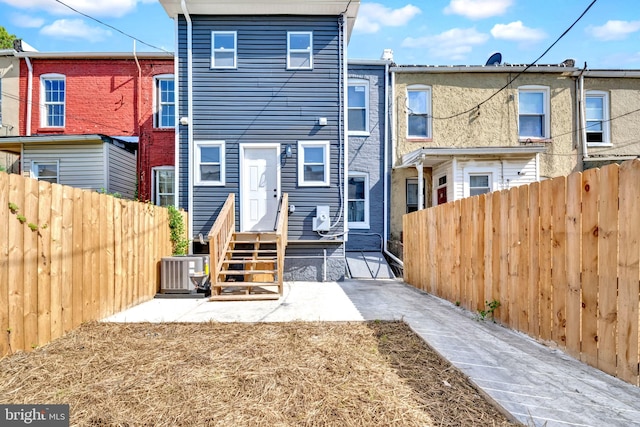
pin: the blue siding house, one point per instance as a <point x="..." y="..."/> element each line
<point x="262" y="106"/>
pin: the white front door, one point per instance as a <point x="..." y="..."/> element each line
<point x="259" y="186"/>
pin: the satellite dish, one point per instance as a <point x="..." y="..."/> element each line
<point x="494" y="59"/>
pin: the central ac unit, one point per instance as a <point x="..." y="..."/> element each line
<point x="180" y="274"/>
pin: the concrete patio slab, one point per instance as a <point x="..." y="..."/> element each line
<point x="537" y="385"/>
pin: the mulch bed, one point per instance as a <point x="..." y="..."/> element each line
<point x="266" y="374"/>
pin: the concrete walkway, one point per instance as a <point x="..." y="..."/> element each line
<point x="537" y="385"/>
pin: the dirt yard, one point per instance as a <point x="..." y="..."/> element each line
<point x="268" y="374"/>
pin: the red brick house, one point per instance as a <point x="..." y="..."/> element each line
<point x="122" y="101"/>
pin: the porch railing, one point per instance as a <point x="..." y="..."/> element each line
<point x="220" y="235"/>
<point x="282" y="227"/>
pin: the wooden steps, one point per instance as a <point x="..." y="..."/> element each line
<point x="249" y="270"/>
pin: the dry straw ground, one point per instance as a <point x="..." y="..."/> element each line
<point x="214" y="374"/>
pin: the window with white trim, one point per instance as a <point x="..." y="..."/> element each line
<point x="597" y="118"/>
<point x="533" y="112"/>
<point x="164" y="184"/>
<point x="358" y="105"/>
<point x="45" y="171"/>
<point x="299" y="50"/>
<point x="313" y="163"/>
<point x="224" y="49"/>
<point x="412" y="194"/>
<point x="53" y="93"/>
<point x="209" y="163"/>
<point x="479" y="184"/>
<point x="419" y="111"/>
<point x="358" y="200"/>
<point x="165" y="116"/>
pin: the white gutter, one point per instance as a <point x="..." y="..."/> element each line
<point x="29" y="95"/>
<point x="388" y="127"/>
<point x="190" y="116"/>
<point x="176" y="138"/>
<point x="345" y="127"/>
<point x="583" y="124"/>
<point x="482" y="69"/>
<point x="93" y="55"/>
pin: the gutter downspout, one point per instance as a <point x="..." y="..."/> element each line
<point x="139" y="156"/>
<point x="29" y="95"/>
<point x="583" y="124"/>
<point x="345" y="128"/>
<point x="388" y="128"/>
<point x="190" y="115"/>
<point x="176" y="136"/>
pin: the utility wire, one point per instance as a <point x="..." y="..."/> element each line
<point x="477" y="107"/>
<point x="112" y="27"/>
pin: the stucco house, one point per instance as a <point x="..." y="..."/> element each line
<point x="119" y="102"/>
<point x="465" y="130"/>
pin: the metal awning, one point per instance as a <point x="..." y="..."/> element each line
<point x="430" y="157"/>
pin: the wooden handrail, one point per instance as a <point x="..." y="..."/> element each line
<point x="282" y="227"/>
<point x="220" y="235"/>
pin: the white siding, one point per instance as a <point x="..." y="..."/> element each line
<point x="445" y="168"/>
<point x="79" y="165"/>
<point x="121" y="168"/>
<point x="507" y="173"/>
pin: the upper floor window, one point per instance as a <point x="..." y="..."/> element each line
<point x="45" y="171"/>
<point x="419" y="112"/>
<point x="597" y="117"/>
<point x="224" y="49"/>
<point x="209" y="163"/>
<point x="313" y="163"/>
<point x="165" y="102"/>
<point x="358" y="202"/>
<point x="533" y="110"/>
<point x="358" y="101"/>
<point x="300" y="50"/>
<point x="53" y="89"/>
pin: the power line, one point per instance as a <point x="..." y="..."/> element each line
<point x="521" y="72"/>
<point x="112" y="27"/>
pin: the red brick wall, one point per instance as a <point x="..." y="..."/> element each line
<point x="107" y="96"/>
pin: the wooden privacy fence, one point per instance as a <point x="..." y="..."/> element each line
<point x="562" y="257"/>
<point x="69" y="256"/>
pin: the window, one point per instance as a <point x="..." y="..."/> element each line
<point x="299" y="50"/>
<point x="45" y="171"/>
<point x="597" y="118"/>
<point x="479" y="184"/>
<point x="224" y="49"/>
<point x="164" y="193"/>
<point x="358" y="200"/>
<point x="419" y="109"/>
<point x="358" y="101"/>
<point x="441" y="190"/>
<point x="533" y="110"/>
<point x="165" y="102"/>
<point x="412" y="195"/>
<point x="53" y="91"/>
<point x="313" y="163"/>
<point x="209" y="163"/>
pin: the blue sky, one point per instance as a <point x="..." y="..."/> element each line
<point x="434" y="32"/>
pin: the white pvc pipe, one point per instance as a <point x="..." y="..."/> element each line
<point x="190" y="114"/>
<point x="29" y="94"/>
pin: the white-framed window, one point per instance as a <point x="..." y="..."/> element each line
<point x="419" y="111"/>
<point x="165" y="104"/>
<point x="597" y="117"/>
<point x="479" y="180"/>
<point x="163" y="181"/>
<point x="412" y="194"/>
<point x="224" y="49"/>
<point x="313" y="163"/>
<point x="209" y="163"/>
<point x="358" y="103"/>
<point x="45" y="170"/>
<point x="358" y="200"/>
<point x="533" y="112"/>
<point x="53" y="94"/>
<point x="300" y="50"/>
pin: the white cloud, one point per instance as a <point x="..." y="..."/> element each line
<point x="517" y="32"/>
<point x="373" y="16"/>
<point x="614" y="30"/>
<point x="70" y="29"/>
<point x="96" y="8"/>
<point x="478" y="9"/>
<point x="26" y="21"/>
<point x="453" y="44"/>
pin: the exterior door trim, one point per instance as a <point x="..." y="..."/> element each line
<point x="271" y="145"/>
